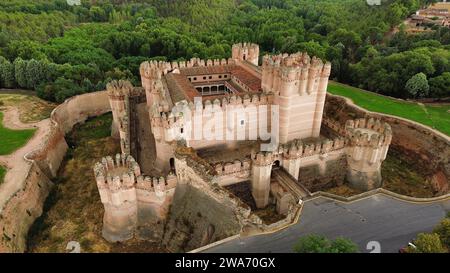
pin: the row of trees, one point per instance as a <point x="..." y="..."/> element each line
<point x="55" y="82"/>
<point x="122" y="34"/>
<point x="314" y="243"/>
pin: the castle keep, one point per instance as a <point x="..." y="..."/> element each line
<point x="286" y="95"/>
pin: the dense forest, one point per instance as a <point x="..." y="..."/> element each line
<point x="62" y="50"/>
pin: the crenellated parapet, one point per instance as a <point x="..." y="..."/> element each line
<point x="237" y="166"/>
<point x="114" y="176"/>
<point x="246" y="52"/>
<point x="156" y="69"/>
<point x="371" y="132"/>
<point x="127" y="194"/>
<point x="120" y="89"/>
<point x="263" y="158"/>
<point x="298" y="149"/>
<point x="367" y="144"/>
<point x="244" y="100"/>
<point x="166" y="125"/>
<point x="299" y="73"/>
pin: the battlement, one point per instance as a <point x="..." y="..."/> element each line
<point x="167" y="119"/>
<point x="371" y="132"/>
<point x="245" y="45"/>
<point x="297" y="149"/>
<point x="297" y="66"/>
<point x="263" y="158"/>
<point x="156" y="69"/>
<point x="246" y="52"/>
<point x="119" y="89"/>
<point x="123" y="174"/>
<point x="236" y="166"/>
<point x="228" y="100"/>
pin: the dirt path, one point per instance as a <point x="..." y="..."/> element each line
<point x="15" y="163"/>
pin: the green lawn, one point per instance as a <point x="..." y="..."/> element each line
<point x="2" y="174"/>
<point x="11" y="140"/>
<point x="437" y="117"/>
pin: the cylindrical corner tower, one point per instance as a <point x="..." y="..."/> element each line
<point x="261" y="172"/>
<point x="367" y="146"/>
<point x="116" y="183"/>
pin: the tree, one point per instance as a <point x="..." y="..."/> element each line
<point x="6" y="73"/>
<point x="20" y="69"/>
<point x="320" y="244"/>
<point x="418" y="86"/>
<point x="342" y="245"/>
<point x="440" y="86"/>
<point x="35" y="73"/>
<point x="395" y="14"/>
<point x="427" y="243"/>
<point x="443" y="230"/>
<point x="98" y="14"/>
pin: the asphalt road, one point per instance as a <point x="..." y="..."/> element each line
<point x="391" y="222"/>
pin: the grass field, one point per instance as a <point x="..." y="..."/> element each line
<point x="2" y="174"/>
<point x="435" y="116"/>
<point x="31" y="108"/>
<point x="11" y="140"/>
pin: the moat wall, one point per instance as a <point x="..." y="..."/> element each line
<point x="26" y="200"/>
<point x="427" y="150"/>
<point x="196" y="219"/>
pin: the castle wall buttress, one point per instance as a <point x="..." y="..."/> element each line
<point x="320" y="101"/>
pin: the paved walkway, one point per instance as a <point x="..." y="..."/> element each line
<point x="391" y="222"/>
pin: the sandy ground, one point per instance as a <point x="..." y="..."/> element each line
<point x="15" y="163"/>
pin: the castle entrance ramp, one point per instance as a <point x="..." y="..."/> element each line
<point x="297" y="189"/>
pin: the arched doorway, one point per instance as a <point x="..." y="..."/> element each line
<point x="172" y="164"/>
<point x="276" y="164"/>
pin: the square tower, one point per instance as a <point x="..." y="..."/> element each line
<point x="299" y="85"/>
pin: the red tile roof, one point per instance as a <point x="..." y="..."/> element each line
<point x="181" y="88"/>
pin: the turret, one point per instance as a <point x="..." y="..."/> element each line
<point x="128" y="196"/>
<point x="261" y="172"/>
<point x="367" y="146"/>
<point x="246" y="52"/>
<point x="151" y="78"/>
<point x="119" y="93"/>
